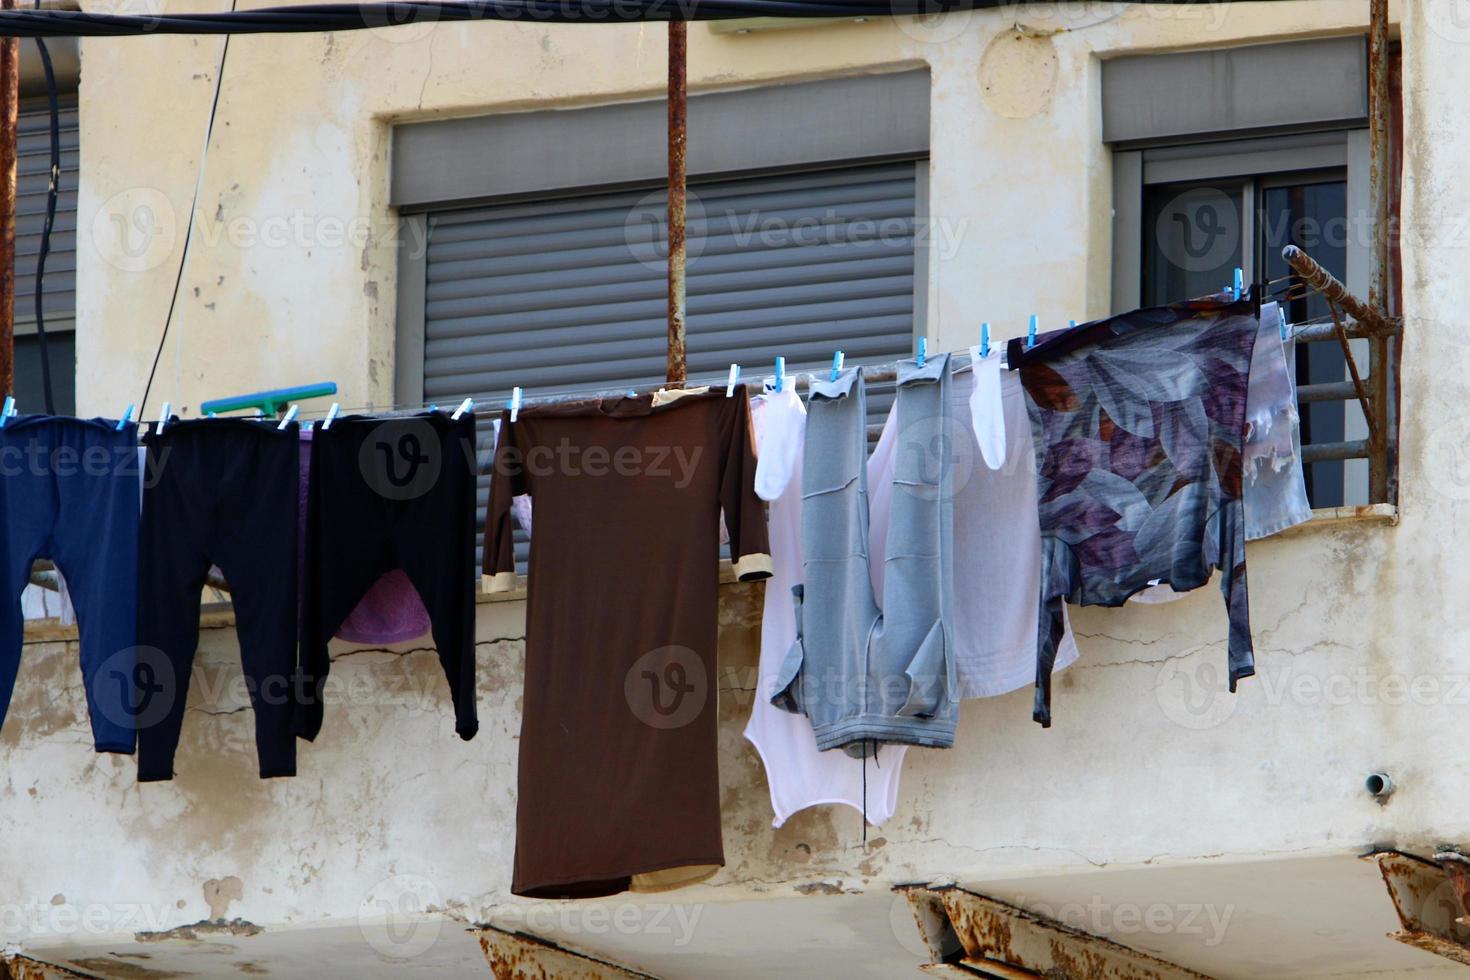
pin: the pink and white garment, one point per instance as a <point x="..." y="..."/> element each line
<point x="798" y="774"/>
<point x="997" y="538"/>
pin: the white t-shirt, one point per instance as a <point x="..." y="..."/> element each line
<point x="997" y="531"/>
<point x="799" y="776"/>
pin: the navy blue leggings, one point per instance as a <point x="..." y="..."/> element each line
<point x="223" y="492"/>
<point x="69" y="492"/>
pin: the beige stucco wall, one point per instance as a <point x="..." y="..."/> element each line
<point x="1149" y="765"/>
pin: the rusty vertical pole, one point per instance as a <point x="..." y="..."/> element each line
<point x="9" y="117"/>
<point x="678" y="140"/>
<point x="1379" y="177"/>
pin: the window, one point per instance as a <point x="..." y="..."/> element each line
<point x="59" y="300"/>
<point x="1206" y="181"/>
<point x="544" y="265"/>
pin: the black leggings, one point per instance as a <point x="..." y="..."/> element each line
<point x="223" y="492"/>
<point x="386" y="494"/>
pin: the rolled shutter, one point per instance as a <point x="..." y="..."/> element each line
<point x="570" y="294"/>
<point x="33" y="179"/>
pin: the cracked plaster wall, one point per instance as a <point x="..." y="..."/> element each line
<point x="1149" y="760"/>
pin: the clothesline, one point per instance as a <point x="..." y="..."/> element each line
<point x="882" y="374"/>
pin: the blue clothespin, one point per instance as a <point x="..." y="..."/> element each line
<point x="734" y="377"/>
<point x="163" y="417"/>
<point x="780" y="373"/>
<point x="464" y="406"/>
<point x="837" y="359"/>
<point x="923" y="350"/>
<point x="7" y="411"/>
<point x="984" y="340"/>
<point x="1071" y="324"/>
<point x="1031" y="333"/>
<point x="294" y="411"/>
<point x="1239" y="282"/>
<point x="331" y="416"/>
<point x="127" y="416"/>
<point x="515" y="404"/>
<point x="433" y="409"/>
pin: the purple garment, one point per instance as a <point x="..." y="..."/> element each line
<point x="392" y="611"/>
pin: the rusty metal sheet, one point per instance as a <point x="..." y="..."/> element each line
<point x="1002" y="941"/>
<point x="517" y="956"/>
<point x="1427" y="903"/>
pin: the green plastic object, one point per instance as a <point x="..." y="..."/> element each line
<point x="269" y="402"/>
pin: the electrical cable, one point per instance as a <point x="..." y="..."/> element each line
<point x="367" y="16"/>
<point x="219" y="76"/>
<point x="52" y="192"/>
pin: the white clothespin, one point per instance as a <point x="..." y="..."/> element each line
<point x="923" y="351"/>
<point x="780" y="373"/>
<point x="837" y="360"/>
<point x="331" y="416"/>
<point x="127" y="417"/>
<point x="515" y="403"/>
<point x="734" y="377"/>
<point x="290" y="417"/>
<point x="7" y="410"/>
<point x="163" y="418"/>
<point x="464" y="406"/>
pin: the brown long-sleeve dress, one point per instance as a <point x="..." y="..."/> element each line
<point x="618" y="781"/>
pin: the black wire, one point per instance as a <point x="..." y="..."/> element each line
<point x="367" y="16"/>
<point x="189" y="226"/>
<point x="52" y="192"/>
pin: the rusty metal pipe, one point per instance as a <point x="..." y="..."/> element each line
<point x="1379" y="172"/>
<point x="678" y="367"/>
<point x="9" y="119"/>
<point x="1373" y="322"/>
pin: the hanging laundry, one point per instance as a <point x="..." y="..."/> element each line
<point x="618" y="778"/>
<point x="1275" y="480"/>
<point x="866" y="678"/>
<point x="798" y="774"/>
<point x="521" y="506"/>
<point x="996" y="546"/>
<point x="69" y="492"/>
<point x="395" y="493"/>
<point x="392" y="611"/>
<point x="223" y="492"/>
<point x="1139" y="425"/>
